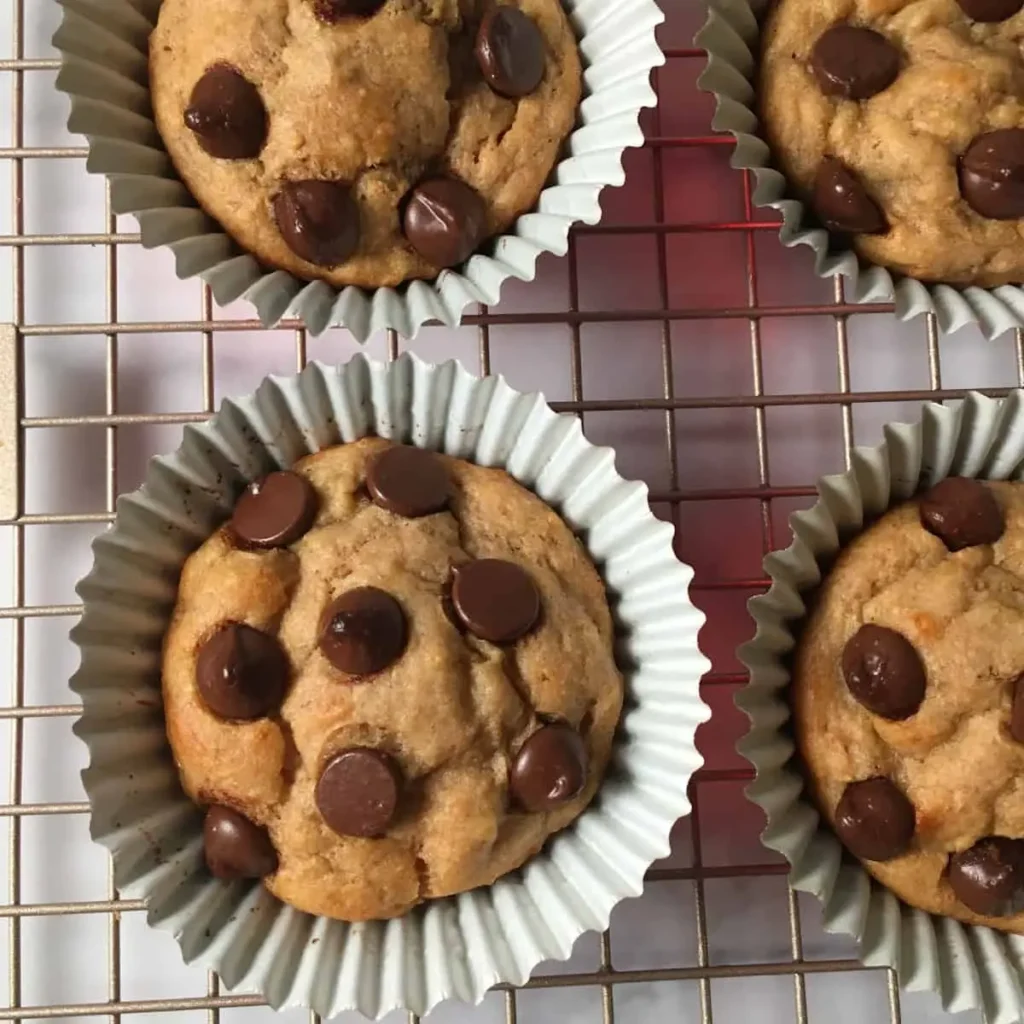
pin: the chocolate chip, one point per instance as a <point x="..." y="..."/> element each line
<point x="275" y="511"/>
<point x="357" y="792"/>
<point x="241" y="672"/>
<point x="1017" y="709"/>
<point x="843" y="203"/>
<point x="989" y="877"/>
<point x="318" y="220"/>
<point x="853" y="62"/>
<point x="875" y="820"/>
<point x="992" y="174"/>
<point x="408" y="481"/>
<point x="990" y="10"/>
<point x="235" y="847"/>
<point x="363" y="631"/>
<point x="510" y="51"/>
<point x="227" y="115"/>
<point x="495" y="600"/>
<point x="331" y="11"/>
<point x="550" y="768"/>
<point x="444" y="221"/>
<point x="962" y="513"/>
<point x="884" y="672"/>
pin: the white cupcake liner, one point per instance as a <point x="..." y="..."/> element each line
<point x="968" y="966"/>
<point x="730" y="38"/>
<point x="104" y="70"/>
<point x="457" y="947"/>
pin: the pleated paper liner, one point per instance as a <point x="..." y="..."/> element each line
<point x="968" y="966"/>
<point x="730" y="38"/>
<point x="104" y="70"/>
<point x="457" y="947"/>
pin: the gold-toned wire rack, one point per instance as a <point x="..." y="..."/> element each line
<point x="676" y="492"/>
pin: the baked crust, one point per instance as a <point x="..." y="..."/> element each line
<point x="954" y="759"/>
<point x="374" y="102"/>
<point x="452" y="709"/>
<point x="958" y="79"/>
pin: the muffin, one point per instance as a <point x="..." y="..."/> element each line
<point x="364" y="142"/>
<point x="389" y="677"/>
<point x="908" y="701"/>
<point x="901" y="123"/>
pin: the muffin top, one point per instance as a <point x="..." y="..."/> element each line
<point x="902" y="123"/>
<point x="389" y="677"/>
<point x="908" y="694"/>
<point x="364" y="142"/>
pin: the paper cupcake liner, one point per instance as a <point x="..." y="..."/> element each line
<point x="456" y="947"/>
<point x="968" y="966"/>
<point x="729" y="37"/>
<point x="104" y="70"/>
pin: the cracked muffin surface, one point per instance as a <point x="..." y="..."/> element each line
<point x="375" y="97"/>
<point x="396" y="756"/>
<point x="908" y="699"/>
<point x="921" y="105"/>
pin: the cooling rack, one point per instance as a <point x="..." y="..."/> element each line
<point x="725" y="374"/>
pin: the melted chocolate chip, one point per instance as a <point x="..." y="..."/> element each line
<point x="235" y="847"/>
<point x="357" y="792"/>
<point x="1017" y="709"/>
<point x="227" y="115"/>
<point x="444" y="221"/>
<point x="241" y="672"/>
<point x="843" y="203"/>
<point x="510" y="51"/>
<point x="989" y="877"/>
<point x="318" y="220"/>
<point x="992" y="174"/>
<point x="875" y="820"/>
<point x="962" y="513"/>
<point x="550" y="768"/>
<point x="853" y="62"/>
<point x="275" y="511"/>
<point x="990" y="10"/>
<point x="408" y="481"/>
<point x="331" y="11"/>
<point x="495" y="600"/>
<point x="363" y="631"/>
<point x="884" y="672"/>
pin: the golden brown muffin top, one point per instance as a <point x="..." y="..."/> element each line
<point x="371" y="107"/>
<point x="481" y="716"/>
<point x="906" y="702"/>
<point x="904" y="95"/>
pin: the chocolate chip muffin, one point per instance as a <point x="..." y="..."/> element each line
<point x="902" y="124"/>
<point x="389" y="677"/>
<point x="364" y="142"/>
<point x="908" y="697"/>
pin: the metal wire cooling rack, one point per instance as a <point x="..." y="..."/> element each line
<point x="725" y="374"/>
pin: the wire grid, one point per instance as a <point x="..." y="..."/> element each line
<point x="605" y="978"/>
